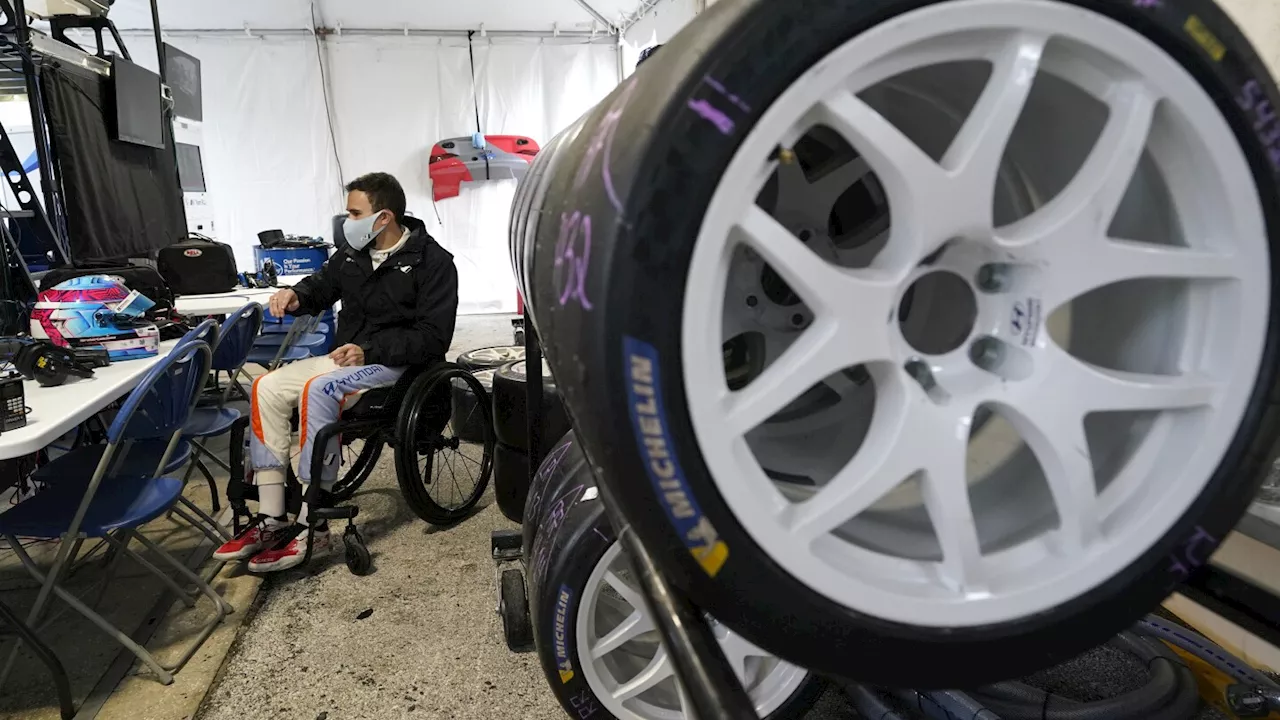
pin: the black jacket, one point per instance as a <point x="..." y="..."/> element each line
<point x="401" y="314"/>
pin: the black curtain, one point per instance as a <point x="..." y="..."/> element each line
<point x="121" y="199"/>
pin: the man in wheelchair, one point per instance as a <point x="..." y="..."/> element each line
<point x="399" y="294"/>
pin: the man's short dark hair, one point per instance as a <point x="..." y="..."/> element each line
<point x="646" y="53"/>
<point x="384" y="192"/>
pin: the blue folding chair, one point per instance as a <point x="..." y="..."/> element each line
<point x="274" y="355"/>
<point x="235" y="341"/>
<point x="230" y="354"/>
<point x="118" y="496"/>
<point x="306" y="340"/>
<point x="279" y="328"/>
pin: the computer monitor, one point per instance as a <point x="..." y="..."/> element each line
<point x="190" y="168"/>
<point x="139" y="112"/>
<point x="182" y="72"/>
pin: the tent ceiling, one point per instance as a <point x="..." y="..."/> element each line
<point x="415" y="14"/>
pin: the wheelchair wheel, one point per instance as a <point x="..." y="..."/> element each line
<point x="359" y="561"/>
<point x="441" y="475"/>
<point x="359" y="457"/>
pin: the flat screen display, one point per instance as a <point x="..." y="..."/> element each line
<point x="139" y="107"/>
<point x="182" y="72"/>
<point x="190" y="168"/>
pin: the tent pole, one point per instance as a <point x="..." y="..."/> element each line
<point x="155" y="22"/>
<point x="598" y="38"/>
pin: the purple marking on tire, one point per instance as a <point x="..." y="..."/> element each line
<point x="713" y="115"/>
<point x="718" y="87"/>
<point x="575" y="257"/>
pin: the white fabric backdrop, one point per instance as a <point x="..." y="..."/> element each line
<point x="270" y="162"/>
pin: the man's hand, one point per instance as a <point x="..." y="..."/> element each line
<point x="348" y="356"/>
<point x="283" y="302"/>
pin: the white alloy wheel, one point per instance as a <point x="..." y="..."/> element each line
<point x="1078" y="366"/>
<point x="627" y="668"/>
<point x="496" y="356"/>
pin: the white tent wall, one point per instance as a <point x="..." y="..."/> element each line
<point x="270" y="162"/>
<point x="526" y="87"/>
<point x="268" y="159"/>
<point x="661" y="24"/>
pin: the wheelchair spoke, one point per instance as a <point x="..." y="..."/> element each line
<point x="471" y="460"/>
<point x="453" y="477"/>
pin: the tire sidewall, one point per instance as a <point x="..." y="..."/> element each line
<point x="511" y="411"/>
<point x="643" y="249"/>
<point x="510" y="480"/>
<point x="562" y="464"/>
<point x="578" y="547"/>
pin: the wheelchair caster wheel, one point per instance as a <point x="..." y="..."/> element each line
<point x="513" y="606"/>
<point x="359" y="562"/>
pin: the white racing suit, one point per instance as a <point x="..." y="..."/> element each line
<point x="320" y="389"/>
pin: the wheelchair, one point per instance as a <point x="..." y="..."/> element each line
<point x="415" y="419"/>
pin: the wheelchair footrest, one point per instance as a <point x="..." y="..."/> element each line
<point x="345" y="512"/>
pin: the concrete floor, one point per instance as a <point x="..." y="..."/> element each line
<point x="432" y="647"/>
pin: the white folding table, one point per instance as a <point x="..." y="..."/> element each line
<point x="229" y="302"/>
<point x="55" y="411"/>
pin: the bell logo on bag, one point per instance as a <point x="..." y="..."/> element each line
<point x="193" y="252"/>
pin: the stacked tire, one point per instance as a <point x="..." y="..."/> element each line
<point x="481" y="363"/>
<point x="580" y="593"/>
<point x="1141" y="136"/>
<point x="511" y="427"/>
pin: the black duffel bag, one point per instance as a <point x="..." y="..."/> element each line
<point x="142" y="278"/>
<point x="198" y="266"/>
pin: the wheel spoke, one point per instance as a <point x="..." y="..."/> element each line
<point x="826" y="190"/>
<point x="850" y="328"/>
<point x="946" y="498"/>
<point x="811" y="359"/>
<point x="636" y="624"/>
<point x="977" y="151"/>
<point x="1076" y="222"/>
<point x="658" y="669"/>
<point x="1083" y="264"/>
<point x="628" y="593"/>
<point x="914" y="183"/>
<point x="736" y="650"/>
<point x="1101" y="390"/>
<point x="1056" y="437"/>
<point x="826" y="288"/>
<point x="895" y="448"/>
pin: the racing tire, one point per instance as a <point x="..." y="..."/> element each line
<point x="468" y="420"/>
<point x="510" y="408"/>
<point x="510" y="480"/>
<point x="616" y="277"/>
<point x="490" y="358"/>
<point x="557" y="470"/>
<point x="575" y="549"/>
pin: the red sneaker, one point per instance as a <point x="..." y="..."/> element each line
<point x="288" y="552"/>
<point x="249" y="542"/>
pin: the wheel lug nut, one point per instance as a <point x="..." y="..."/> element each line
<point x="805" y="235"/>
<point x="752" y="301"/>
<point x="797" y="320"/>
<point x="920" y="370"/>
<point x="987" y="353"/>
<point x="994" y="278"/>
